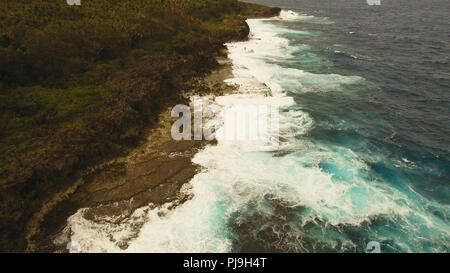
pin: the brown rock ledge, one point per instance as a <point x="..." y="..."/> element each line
<point x="154" y="172"/>
<point x="42" y="197"/>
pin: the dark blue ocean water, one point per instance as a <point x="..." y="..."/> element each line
<point x="364" y="140"/>
<point x="397" y="120"/>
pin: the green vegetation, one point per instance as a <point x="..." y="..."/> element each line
<point x="79" y="83"/>
<point x="56" y="58"/>
<point x="42" y="39"/>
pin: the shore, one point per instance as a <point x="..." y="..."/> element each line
<point x="118" y="149"/>
<point x="152" y="173"/>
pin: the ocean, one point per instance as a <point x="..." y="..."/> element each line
<point x="364" y="101"/>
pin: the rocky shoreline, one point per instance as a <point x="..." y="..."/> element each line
<point x="154" y="172"/>
<point x="121" y="156"/>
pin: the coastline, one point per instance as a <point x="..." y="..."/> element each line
<point x="198" y="212"/>
<point x="303" y="138"/>
<point x="152" y="173"/>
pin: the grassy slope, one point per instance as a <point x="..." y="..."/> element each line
<point x="78" y="85"/>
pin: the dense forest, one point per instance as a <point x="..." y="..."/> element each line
<point x="49" y="39"/>
<point x="79" y="83"/>
<point x="54" y="58"/>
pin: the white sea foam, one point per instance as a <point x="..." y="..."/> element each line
<point x="292" y="15"/>
<point x="236" y="174"/>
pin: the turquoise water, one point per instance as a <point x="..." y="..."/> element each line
<point x="353" y="165"/>
<point x="357" y="187"/>
<point x="387" y="184"/>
